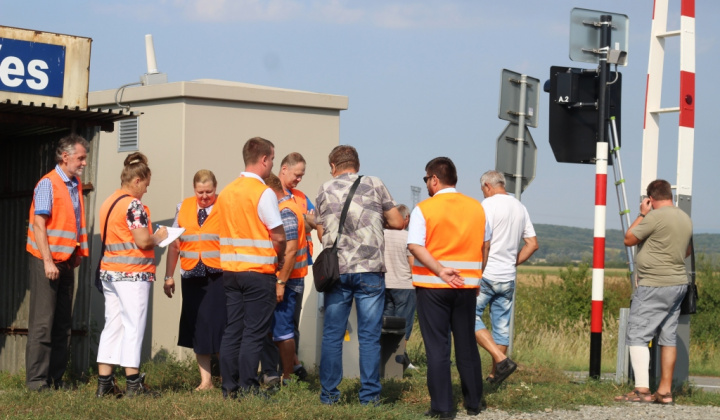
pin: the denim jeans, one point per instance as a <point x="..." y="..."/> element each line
<point x="368" y="289"/>
<point x="499" y="296"/>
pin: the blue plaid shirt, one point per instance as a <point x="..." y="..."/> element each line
<point x="44" y="196"/>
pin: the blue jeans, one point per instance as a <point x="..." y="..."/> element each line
<point x="368" y="289"/>
<point x="499" y="295"/>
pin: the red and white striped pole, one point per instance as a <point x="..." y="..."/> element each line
<point x="598" y="269"/>
<point x="601" y="163"/>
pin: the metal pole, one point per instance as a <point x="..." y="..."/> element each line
<point x="598" y="276"/>
<point x="521" y="136"/>
<point x="620" y="190"/>
<point x="518" y="188"/>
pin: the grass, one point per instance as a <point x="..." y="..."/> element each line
<point x="545" y="346"/>
<point x="531" y="388"/>
<point x="565" y="344"/>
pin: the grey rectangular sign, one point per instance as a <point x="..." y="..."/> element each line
<point x="509" y="108"/>
<point x="585" y="35"/>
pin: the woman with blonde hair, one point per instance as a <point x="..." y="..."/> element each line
<point x="127" y="270"/>
<point x="203" y="314"/>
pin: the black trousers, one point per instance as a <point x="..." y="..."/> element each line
<point x="441" y="311"/>
<point x="250" y="304"/>
<point x="49" y="324"/>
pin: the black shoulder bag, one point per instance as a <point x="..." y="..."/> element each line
<point x="326" y="268"/>
<point x="98" y="282"/>
<point x="689" y="303"/>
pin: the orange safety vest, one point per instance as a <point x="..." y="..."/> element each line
<point x="454" y="235"/>
<point x="198" y="242"/>
<point x="62" y="231"/>
<point x="300" y="268"/>
<point x="121" y="252"/>
<point x="301" y="200"/>
<point x="245" y="243"/>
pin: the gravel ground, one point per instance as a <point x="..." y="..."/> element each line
<point x="617" y="411"/>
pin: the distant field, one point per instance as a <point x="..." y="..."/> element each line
<point x="533" y="275"/>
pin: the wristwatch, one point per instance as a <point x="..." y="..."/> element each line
<point x="281" y="282"/>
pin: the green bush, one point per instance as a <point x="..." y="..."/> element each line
<point x="703" y="325"/>
<point x="569" y="301"/>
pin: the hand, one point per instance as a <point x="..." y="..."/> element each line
<point x="280" y="292"/>
<point x="169" y="287"/>
<point x="451" y="276"/>
<point x="77" y="259"/>
<point x="160" y="235"/>
<point x="645" y="206"/>
<point x="51" y="270"/>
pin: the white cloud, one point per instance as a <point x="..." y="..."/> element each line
<point x="397" y="14"/>
<point x="240" y="10"/>
<point x="421" y="15"/>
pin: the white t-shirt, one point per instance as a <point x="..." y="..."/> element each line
<point x="268" y="210"/>
<point x="510" y="223"/>
<point x="417" y="229"/>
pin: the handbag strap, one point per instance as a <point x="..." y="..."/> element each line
<point x="104" y="236"/>
<point x="692" y="262"/>
<point x="345" y="209"/>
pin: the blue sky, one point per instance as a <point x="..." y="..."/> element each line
<point x="422" y="78"/>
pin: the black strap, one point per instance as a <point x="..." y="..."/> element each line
<point x="104" y="236"/>
<point x="345" y="209"/>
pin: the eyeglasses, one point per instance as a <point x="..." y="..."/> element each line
<point x="425" y="178"/>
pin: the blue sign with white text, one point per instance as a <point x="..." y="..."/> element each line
<point x="32" y="67"/>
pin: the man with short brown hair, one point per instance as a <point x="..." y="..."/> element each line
<point x="252" y="248"/>
<point x="362" y="271"/>
<point x="662" y="233"/>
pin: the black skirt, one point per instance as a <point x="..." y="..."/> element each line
<point x="203" y="315"/>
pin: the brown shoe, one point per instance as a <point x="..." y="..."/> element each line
<point x="636" y="396"/>
<point x="664" y="399"/>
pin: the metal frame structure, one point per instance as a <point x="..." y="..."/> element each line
<point x="686" y="136"/>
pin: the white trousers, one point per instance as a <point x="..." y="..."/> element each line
<point x="126" y="304"/>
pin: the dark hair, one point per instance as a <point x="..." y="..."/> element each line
<point x="660" y="190"/>
<point x="256" y="148"/>
<point x="136" y="166"/>
<point x="67" y="145"/>
<point x="444" y="169"/>
<point x="292" y="159"/>
<point x="344" y="157"/>
<point x="274" y="183"/>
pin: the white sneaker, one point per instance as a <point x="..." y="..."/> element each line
<point x="411" y="366"/>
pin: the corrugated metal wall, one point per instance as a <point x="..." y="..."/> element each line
<point x="26" y="158"/>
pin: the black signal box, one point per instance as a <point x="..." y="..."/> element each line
<point x="573" y="112"/>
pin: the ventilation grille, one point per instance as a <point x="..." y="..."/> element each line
<point x="128" y="135"/>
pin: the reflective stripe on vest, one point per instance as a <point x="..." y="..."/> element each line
<point x="460" y="265"/>
<point x="300" y="199"/>
<point x="301" y="261"/>
<point x="455" y="230"/>
<point x="198" y="242"/>
<point x="121" y="252"/>
<point x="254" y="243"/>
<point x="245" y="243"/>
<point x="63" y="235"/>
